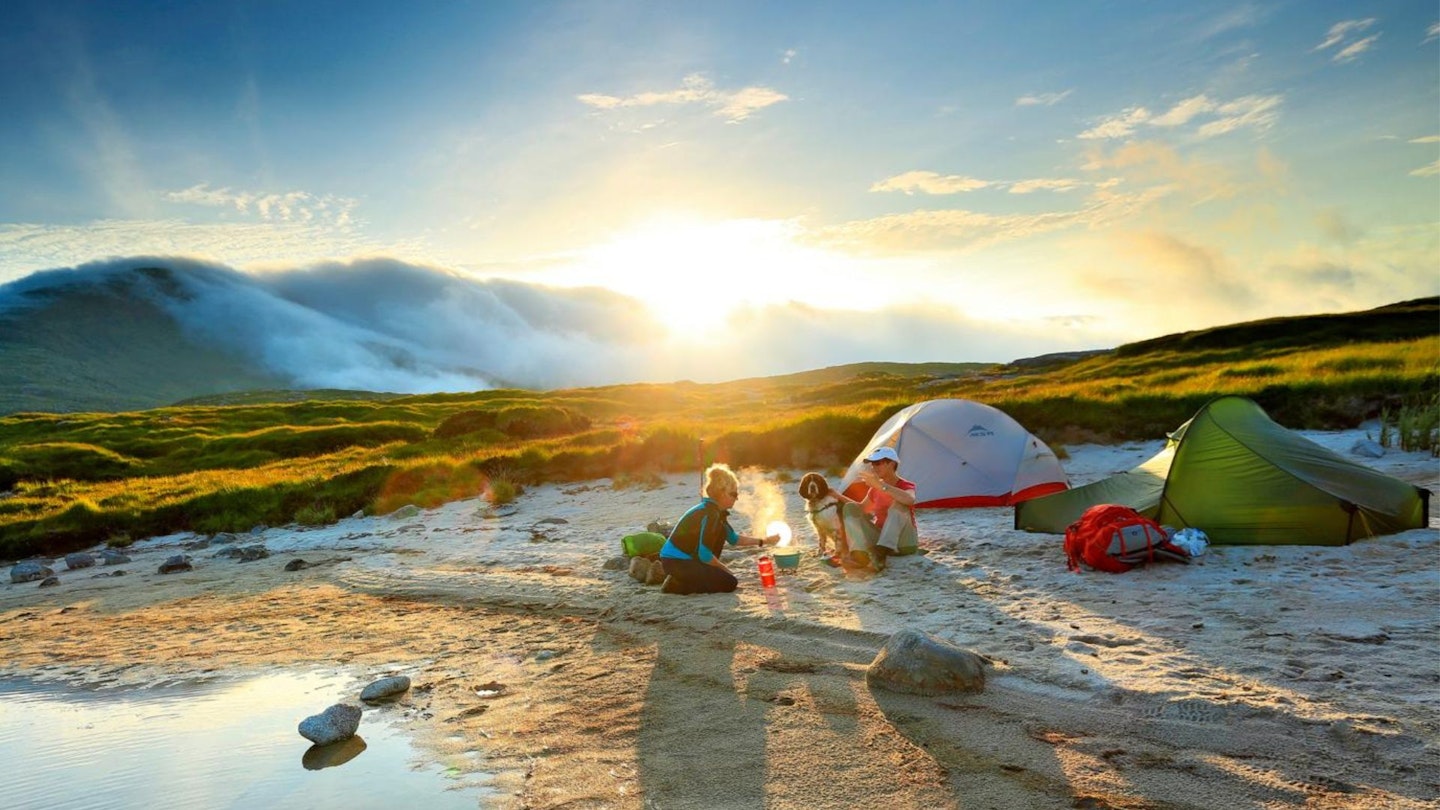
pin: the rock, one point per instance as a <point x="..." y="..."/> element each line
<point x="659" y="527"/>
<point x="920" y="664"/>
<point x="336" y="723"/>
<point x="79" y="559"/>
<point x="224" y="538"/>
<point x="385" y="688"/>
<point x="177" y="563"/>
<point x="110" y="556"/>
<point x="1367" y="448"/>
<point x="656" y="575"/>
<point x="405" y="512"/>
<point x="359" y="513"/>
<point x="29" y="572"/>
<point x="196" y="545"/>
<point x="296" y="564"/>
<point x="252" y="553"/>
<point x="620" y="563"/>
<point x="639" y="569"/>
<point x="49" y="582"/>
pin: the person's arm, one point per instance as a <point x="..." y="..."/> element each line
<point x="757" y="542"/>
<point x="901" y="495"/>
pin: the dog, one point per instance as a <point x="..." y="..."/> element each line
<point x="822" y="509"/>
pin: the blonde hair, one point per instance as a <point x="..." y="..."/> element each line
<point x="718" y="479"/>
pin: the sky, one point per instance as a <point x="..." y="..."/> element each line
<point x="754" y="188"/>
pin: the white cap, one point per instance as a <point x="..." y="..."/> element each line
<point x="884" y="454"/>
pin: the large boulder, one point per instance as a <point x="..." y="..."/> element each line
<point x="79" y="559"/>
<point x="339" y="722"/>
<point x="920" y="664"/>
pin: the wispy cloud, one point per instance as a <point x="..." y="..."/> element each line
<point x="965" y="230"/>
<point x="1352" y="51"/>
<point x="926" y="182"/>
<point x="25" y="248"/>
<point x="1341" y="32"/>
<point x="1045" y="184"/>
<point x="1255" y="112"/>
<point x="1427" y="171"/>
<point x="1426" y="139"/>
<point x="788" y="56"/>
<point x="1117" y="126"/>
<point x="930" y="183"/>
<point x="1433" y="32"/>
<point x="732" y="105"/>
<point x="1042" y="99"/>
<point x="290" y="206"/>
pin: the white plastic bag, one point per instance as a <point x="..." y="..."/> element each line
<point x="1192" y="540"/>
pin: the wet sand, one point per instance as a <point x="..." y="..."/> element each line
<point x="1254" y="677"/>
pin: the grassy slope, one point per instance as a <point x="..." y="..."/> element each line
<point x="104" y="350"/>
<point x="83" y="478"/>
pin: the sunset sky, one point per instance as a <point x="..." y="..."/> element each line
<point x="911" y="181"/>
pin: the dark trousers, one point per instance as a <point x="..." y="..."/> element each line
<point x="690" y="576"/>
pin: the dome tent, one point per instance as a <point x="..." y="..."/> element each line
<point x="1244" y="480"/>
<point x="961" y="453"/>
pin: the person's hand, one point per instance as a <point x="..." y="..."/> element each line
<point x="772" y="540"/>
<point x="869" y="477"/>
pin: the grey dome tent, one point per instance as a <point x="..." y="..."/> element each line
<point x="1244" y="480"/>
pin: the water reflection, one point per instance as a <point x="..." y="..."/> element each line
<point x="328" y="756"/>
<point x="202" y="744"/>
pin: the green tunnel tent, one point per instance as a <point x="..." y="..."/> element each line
<point x="1244" y="480"/>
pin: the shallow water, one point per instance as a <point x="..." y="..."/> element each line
<point x="212" y="744"/>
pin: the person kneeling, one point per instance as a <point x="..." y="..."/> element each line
<point x="691" y="555"/>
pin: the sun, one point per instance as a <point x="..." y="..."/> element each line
<point x="694" y="273"/>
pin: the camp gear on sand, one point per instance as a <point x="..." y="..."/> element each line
<point x="642" y="544"/>
<point x="1114" y="538"/>
<point x="961" y="453"/>
<point x="1245" y="480"/>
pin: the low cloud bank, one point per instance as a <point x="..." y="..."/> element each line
<point x="387" y="325"/>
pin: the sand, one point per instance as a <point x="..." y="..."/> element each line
<point x="1254" y="677"/>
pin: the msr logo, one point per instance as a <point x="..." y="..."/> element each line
<point x="981" y="430"/>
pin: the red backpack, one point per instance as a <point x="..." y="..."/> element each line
<point x="1115" y="538"/>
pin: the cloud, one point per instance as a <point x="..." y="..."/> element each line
<point x="290" y="206"/>
<point x="1342" y="29"/>
<point x="927" y="182"/>
<point x="1340" y="32"/>
<point x="1431" y="33"/>
<point x="1117" y="126"/>
<point x="732" y="105"/>
<point x="1352" y="51"/>
<point x="788" y="56"/>
<point x="1429" y="170"/>
<point x="1426" y="139"/>
<point x="1042" y="99"/>
<point x="1044" y="184"/>
<point x="964" y="230"/>
<point x="24" y="247"/>
<point x="1254" y="112"/>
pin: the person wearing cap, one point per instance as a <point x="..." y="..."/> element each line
<point x="884" y="520"/>
<point x="691" y="555"/>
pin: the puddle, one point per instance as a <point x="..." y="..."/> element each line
<point x="228" y="744"/>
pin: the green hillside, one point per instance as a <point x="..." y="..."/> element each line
<point x="276" y="457"/>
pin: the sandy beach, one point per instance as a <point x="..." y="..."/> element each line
<point x="1264" y="677"/>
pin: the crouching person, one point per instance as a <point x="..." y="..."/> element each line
<point x="883" y="522"/>
<point x="691" y="555"/>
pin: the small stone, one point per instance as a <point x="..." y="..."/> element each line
<point x="639" y="569"/>
<point x="339" y="722"/>
<point x="385" y="688"/>
<point x="620" y="563"/>
<point x="296" y="565"/>
<point x="110" y="556"/>
<point x="79" y="559"/>
<point x="49" y="582"/>
<point x="656" y="575"/>
<point x="176" y="563"/>
<point x="29" y="572"/>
